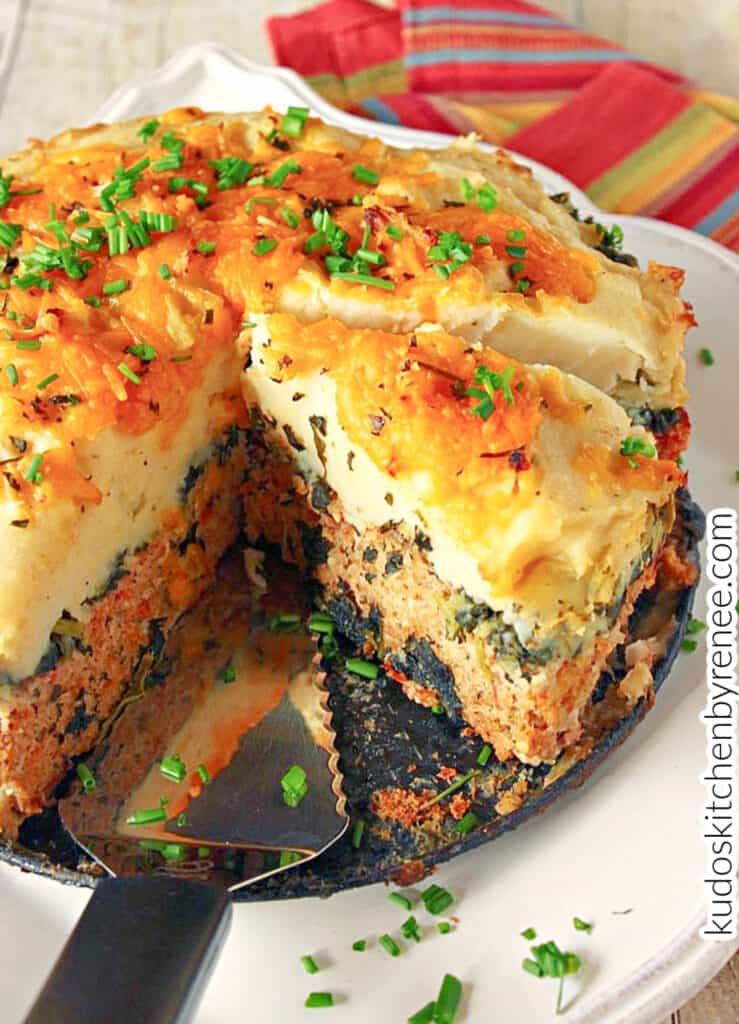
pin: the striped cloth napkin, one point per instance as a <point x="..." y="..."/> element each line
<point x="636" y="137"/>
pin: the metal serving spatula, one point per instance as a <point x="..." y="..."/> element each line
<point x="147" y="940"/>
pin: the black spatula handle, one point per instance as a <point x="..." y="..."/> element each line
<point x="141" y="954"/>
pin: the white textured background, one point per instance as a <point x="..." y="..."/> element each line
<point x="59" y="59"/>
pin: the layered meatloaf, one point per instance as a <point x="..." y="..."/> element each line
<point x="487" y="546"/>
<point x="485" y="525"/>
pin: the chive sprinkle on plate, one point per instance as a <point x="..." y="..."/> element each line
<point x="318" y="1000"/>
<point x="294" y="785"/>
<point x="423" y="1016"/>
<point x="309" y="964"/>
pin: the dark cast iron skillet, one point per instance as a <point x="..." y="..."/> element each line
<point x="379" y="735"/>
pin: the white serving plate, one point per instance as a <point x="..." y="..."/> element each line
<point x="630" y="839"/>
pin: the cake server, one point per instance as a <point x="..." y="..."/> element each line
<point x="144" y="947"/>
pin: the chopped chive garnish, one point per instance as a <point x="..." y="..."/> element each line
<point x="147" y="817"/>
<point x="174" y="852"/>
<point x="695" y="626"/>
<point x="707" y="357"/>
<point x="310" y="964"/>
<point x="369" y="256"/>
<point x="181" y="820"/>
<point x="365" y="174"/>
<point x="631" y="446"/>
<point x="550" y="962"/>
<point x="184" y="358"/>
<point x="389" y="944"/>
<point x="12" y="374"/>
<point x="263" y="246"/>
<point x="487" y="200"/>
<point x="319" y="1000"/>
<point x="482" y="240"/>
<point x="438" y="709"/>
<point x="173" y="767"/>
<point x="401" y="900"/>
<point x="248" y="323"/>
<point x="206" y="247"/>
<point x="288" y="857"/>
<point x="581" y="926"/>
<point x="436" y="899"/>
<point x="484" y="756"/>
<point x="314" y="242"/>
<point x="467" y="824"/>
<point x="231" y="171"/>
<point x="395" y="233"/>
<point x="33" y="475"/>
<point x="170" y="162"/>
<point x="31" y="280"/>
<point x="290" y="218"/>
<point x="528" y="934"/>
<point x="229" y="674"/>
<point x="522" y="285"/>
<point x="516" y="235"/>
<point x="115" y="287"/>
<point x="203" y="773"/>
<point x="29" y="346"/>
<point x="164" y="271"/>
<point x="466" y="190"/>
<point x="283" y="622"/>
<point x="409" y="929"/>
<point x="457" y="784"/>
<point x="9" y="234"/>
<point x="358" y="833"/>
<point x="294" y="785"/>
<point x="293" y="122"/>
<point x="515" y="268"/>
<point x="265" y="200"/>
<point x="359" y="946"/>
<point x="86" y="777"/>
<point x="144" y="351"/>
<point x="423" y="1016"/>
<point x="443" y="927"/>
<point x="488" y="383"/>
<point x="277" y="178"/>
<point x="448" y="1000"/>
<point x="89" y="239"/>
<point x="516" y="252"/>
<point x="364" y="668"/>
<point x="203" y="852"/>
<point x="47" y="380"/>
<point x="146" y="131"/>
<point x="161" y="222"/>
<point x="128" y="373"/>
<point x="291" y="125"/>
<point x="357" y="200"/>
<point x="689" y="646"/>
<point x="319" y="622"/>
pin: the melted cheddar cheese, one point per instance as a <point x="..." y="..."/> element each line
<point x="70" y="348"/>
<point x="528" y="502"/>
